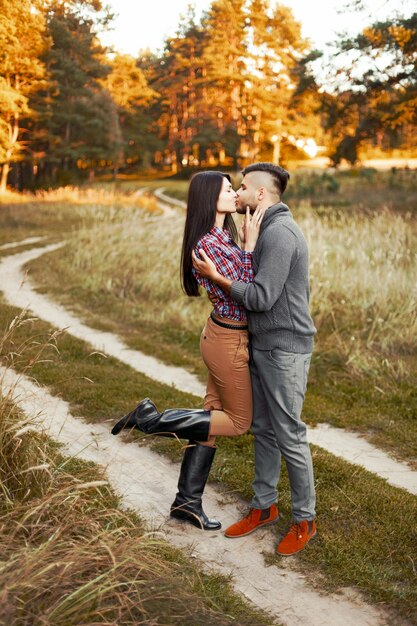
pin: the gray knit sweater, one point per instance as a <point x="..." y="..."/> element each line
<point x="278" y="300"/>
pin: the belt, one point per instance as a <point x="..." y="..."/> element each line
<point x="229" y="326"/>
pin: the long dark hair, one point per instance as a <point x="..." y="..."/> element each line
<point x="203" y="194"/>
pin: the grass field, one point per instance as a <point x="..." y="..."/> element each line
<point x="119" y="271"/>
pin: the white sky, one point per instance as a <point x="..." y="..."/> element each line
<point x="145" y="23"/>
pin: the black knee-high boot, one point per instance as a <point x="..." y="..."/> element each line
<point x="184" y="423"/>
<point x="194" y="472"/>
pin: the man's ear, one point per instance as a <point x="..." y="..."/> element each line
<point x="261" y="193"/>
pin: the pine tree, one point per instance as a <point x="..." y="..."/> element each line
<point x="225" y="74"/>
<point x="277" y="50"/>
<point x="77" y="124"/>
<point x="177" y="76"/>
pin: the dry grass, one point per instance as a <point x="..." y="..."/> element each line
<point x="363" y="268"/>
<point x="71" y="556"/>
<point x="98" y="196"/>
<point x="364" y="290"/>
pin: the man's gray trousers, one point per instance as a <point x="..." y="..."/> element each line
<point x="279" y="381"/>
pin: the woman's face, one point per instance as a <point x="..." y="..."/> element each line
<point x="226" y="202"/>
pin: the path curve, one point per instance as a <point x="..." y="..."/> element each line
<point x="137" y="474"/>
<point x="19" y="292"/>
<point x="22" y="242"/>
<point x="159" y="193"/>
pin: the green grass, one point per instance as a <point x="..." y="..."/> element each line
<point x="366" y="533"/>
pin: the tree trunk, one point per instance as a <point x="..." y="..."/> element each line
<point x="277" y="151"/>
<point x="4" y="175"/>
<point x="13" y="135"/>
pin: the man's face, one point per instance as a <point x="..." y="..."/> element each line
<point x="246" y="195"/>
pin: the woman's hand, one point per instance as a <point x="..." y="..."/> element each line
<point x="242" y="230"/>
<point x="251" y="226"/>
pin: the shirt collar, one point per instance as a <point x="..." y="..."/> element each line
<point x="222" y="234"/>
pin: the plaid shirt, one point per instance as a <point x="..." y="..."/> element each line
<point x="230" y="261"/>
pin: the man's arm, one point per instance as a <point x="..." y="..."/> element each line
<point x="275" y="261"/>
<point x="206" y="268"/>
<point x="276" y="257"/>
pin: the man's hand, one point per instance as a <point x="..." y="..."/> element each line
<point x="213" y="298"/>
<point x="205" y="266"/>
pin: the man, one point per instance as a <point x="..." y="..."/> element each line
<point x="282" y="333"/>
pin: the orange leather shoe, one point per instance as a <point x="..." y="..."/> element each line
<point x="253" y="520"/>
<point x="297" y="537"/>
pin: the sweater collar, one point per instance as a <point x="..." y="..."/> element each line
<point x="272" y="211"/>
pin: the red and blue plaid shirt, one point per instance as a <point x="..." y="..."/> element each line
<point x="230" y="261"/>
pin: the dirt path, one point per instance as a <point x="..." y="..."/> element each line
<point x="147" y="483"/>
<point x="19" y="292"/>
<point x="22" y="242"/>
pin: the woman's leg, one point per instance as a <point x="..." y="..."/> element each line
<point x="229" y="390"/>
<point x="225" y="353"/>
<point x="211" y="402"/>
<point x="229" y="400"/>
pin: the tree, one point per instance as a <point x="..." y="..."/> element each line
<point x="133" y="97"/>
<point x="376" y="87"/>
<point x="178" y="75"/>
<point x="224" y="56"/>
<point x="77" y="122"/>
<point x="277" y="53"/>
<point x="391" y="85"/>
<point x="22" y="32"/>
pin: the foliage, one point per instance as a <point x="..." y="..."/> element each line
<point x="235" y="86"/>
<point x="375" y="98"/>
<point x="133" y="97"/>
<point x="188" y="106"/>
<point x="22" y="33"/>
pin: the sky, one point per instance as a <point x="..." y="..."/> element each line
<point x="145" y="23"/>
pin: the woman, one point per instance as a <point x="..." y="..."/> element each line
<point x="224" y="344"/>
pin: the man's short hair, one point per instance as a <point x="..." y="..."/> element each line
<point x="278" y="174"/>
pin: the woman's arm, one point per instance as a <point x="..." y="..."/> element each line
<point x="245" y="273"/>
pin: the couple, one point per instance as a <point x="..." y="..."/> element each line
<point x="255" y="378"/>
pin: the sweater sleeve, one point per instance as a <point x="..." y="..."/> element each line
<point x="275" y="261"/>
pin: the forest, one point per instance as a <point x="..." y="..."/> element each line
<point x="235" y="86"/>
